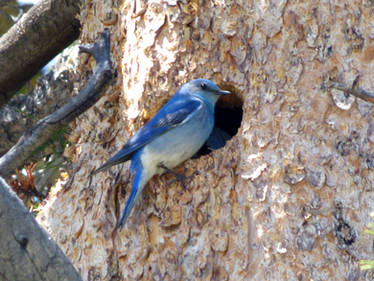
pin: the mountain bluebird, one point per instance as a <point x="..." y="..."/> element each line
<point x="173" y="135"/>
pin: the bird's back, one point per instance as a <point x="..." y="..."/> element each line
<point x="181" y="142"/>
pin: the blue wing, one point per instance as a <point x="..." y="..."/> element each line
<point x="175" y="112"/>
<point x="217" y="139"/>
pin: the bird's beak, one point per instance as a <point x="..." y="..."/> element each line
<point x="223" y="92"/>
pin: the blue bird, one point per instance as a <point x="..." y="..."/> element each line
<point x="173" y="135"/>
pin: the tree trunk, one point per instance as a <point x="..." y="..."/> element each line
<point x="288" y="196"/>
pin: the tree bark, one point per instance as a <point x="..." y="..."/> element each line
<point x="27" y="252"/>
<point x="287" y="197"/>
<point x="46" y="29"/>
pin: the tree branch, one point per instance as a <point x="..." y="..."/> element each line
<point x="357" y="92"/>
<point x="4" y="2"/>
<point x="44" y="31"/>
<point x="23" y="111"/>
<point x="43" y="130"/>
<point x="24" y="244"/>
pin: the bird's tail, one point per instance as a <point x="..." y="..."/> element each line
<point x="138" y="184"/>
<point x="119" y="157"/>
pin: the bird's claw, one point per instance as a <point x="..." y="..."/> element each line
<point x="182" y="178"/>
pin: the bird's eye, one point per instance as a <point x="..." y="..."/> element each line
<point x="203" y="86"/>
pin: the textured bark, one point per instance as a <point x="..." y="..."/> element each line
<point x="46" y="29"/>
<point x="287" y="198"/>
<point x="27" y="252"/>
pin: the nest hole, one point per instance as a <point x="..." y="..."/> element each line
<point x="227" y="121"/>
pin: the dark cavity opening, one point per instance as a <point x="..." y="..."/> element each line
<point x="227" y="121"/>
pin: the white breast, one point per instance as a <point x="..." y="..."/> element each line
<point x="178" y="144"/>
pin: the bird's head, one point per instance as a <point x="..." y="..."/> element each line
<point x="205" y="89"/>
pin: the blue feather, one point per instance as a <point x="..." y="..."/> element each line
<point x="172" y="136"/>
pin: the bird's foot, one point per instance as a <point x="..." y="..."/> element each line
<point x="182" y="178"/>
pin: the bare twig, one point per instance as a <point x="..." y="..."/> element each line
<point x="355" y="91"/>
<point x="4" y="2"/>
<point x="43" y="130"/>
<point x="23" y="111"/>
